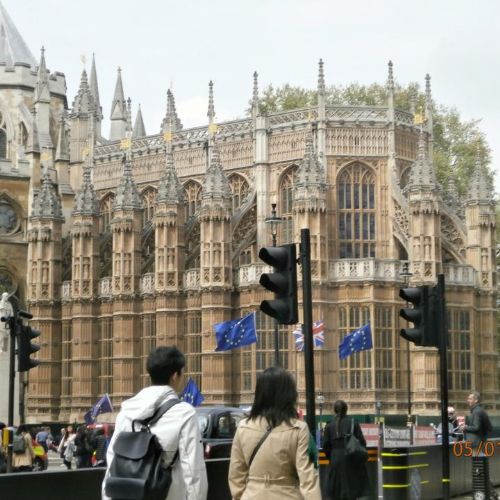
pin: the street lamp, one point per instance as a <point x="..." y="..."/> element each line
<point x="320" y="399"/>
<point x="406" y="275"/>
<point x="273" y="222"/>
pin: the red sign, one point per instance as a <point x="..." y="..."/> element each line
<point x="424" y="435"/>
<point x="370" y="433"/>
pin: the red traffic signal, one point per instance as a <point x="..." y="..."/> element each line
<point x="283" y="282"/>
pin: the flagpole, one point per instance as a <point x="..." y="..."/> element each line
<point x="305" y="256"/>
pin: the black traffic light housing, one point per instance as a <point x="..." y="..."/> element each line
<point x="25" y="334"/>
<point x="423" y="315"/>
<point x="283" y="282"/>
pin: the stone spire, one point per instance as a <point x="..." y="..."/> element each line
<point x="62" y="150"/>
<point x="211" y="108"/>
<point x="33" y="139"/>
<point x="139" y="129"/>
<point x="118" y="105"/>
<point x="390" y="77"/>
<point x="94" y="87"/>
<point x="255" y="94"/>
<point x="170" y="188"/>
<point x="42" y="91"/>
<point x="46" y="203"/>
<point x="129" y="116"/>
<point x="428" y="94"/>
<point x="321" y="78"/>
<point x="480" y="188"/>
<point x="127" y="194"/>
<point x="86" y="202"/>
<point x="216" y="184"/>
<point x="13" y="48"/>
<point x="84" y="103"/>
<point x="423" y="174"/>
<point x="171" y="115"/>
<point x="118" y="111"/>
<point x="311" y="171"/>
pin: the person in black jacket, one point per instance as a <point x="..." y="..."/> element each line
<point x="476" y="432"/>
<point x="347" y="477"/>
<point x="83" y="449"/>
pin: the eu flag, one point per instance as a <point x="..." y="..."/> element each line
<point x="102" y="406"/>
<point x="191" y="394"/>
<point x="236" y="333"/>
<point x="359" y="340"/>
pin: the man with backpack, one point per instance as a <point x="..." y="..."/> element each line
<point x="169" y="447"/>
<point x="22" y="450"/>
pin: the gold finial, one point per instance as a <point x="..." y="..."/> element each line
<point x="85" y="153"/>
<point x="44" y="156"/>
<point x="168" y="136"/>
<point x="125" y="143"/>
<point x="419" y="117"/>
<point x="212" y="128"/>
<point x="310" y="116"/>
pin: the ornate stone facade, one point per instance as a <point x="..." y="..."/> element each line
<point x="121" y="245"/>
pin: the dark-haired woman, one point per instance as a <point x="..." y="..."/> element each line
<point x="279" y="442"/>
<point x="347" y="477"/>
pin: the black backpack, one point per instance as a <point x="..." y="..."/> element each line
<point x="137" y="472"/>
<point x="19" y="444"/>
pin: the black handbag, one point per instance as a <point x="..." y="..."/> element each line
<point x="353" y="448"/>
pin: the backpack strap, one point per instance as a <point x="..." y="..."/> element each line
<point x="352" y="426"/>
<point x="259" y="444"/>
<point x="160" y="411"/>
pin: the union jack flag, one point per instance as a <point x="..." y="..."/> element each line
<point x="318" y="335"/>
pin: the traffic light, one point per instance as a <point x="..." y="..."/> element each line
<point x="422" y="315"/>
<point x="283" y="282"/>
<point x="25" y="348"/>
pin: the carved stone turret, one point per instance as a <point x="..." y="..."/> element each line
<point x="310" y="207"/>
<point x="424" y="222"/>
<point x="44" y="275"/>
<point x="84" y="288"/>
<point x="171" y="121"/>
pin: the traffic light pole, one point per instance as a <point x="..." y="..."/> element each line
<point x="13" y="323"/>
<point x="443" y="359"/>
<point x="305" y="257"/>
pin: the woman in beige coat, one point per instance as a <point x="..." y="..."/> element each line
<point x="23" y="462"/>
<point x="281" y="468"/>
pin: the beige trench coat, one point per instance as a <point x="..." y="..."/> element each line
<point x="281" y="468"/>
<point x="24" y="459"/>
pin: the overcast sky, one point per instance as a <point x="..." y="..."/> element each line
<point x="159" y="43"/>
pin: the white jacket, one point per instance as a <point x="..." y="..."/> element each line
<point x="176" y="429"/>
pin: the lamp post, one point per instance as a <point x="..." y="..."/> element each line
<point x="320" y="399"/>
<point x="273" y="221"/>
<point x="406" y="275"/>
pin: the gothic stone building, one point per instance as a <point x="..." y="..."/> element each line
<point x="119" y="245"/>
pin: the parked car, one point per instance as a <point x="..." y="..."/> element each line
<point x="218" y="425"/>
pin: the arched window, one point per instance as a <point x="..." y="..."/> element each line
<point x="239" y="190"/>
<point x="286" y="205"/>
<point x="106" y="212"/>
<point x="193" y="197"/>
<point x="148" y="203"/>
<point x="356" y="202"/>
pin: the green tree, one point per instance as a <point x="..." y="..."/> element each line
<point x="457" y="142"/>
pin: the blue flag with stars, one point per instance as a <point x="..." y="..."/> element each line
<point x="102" y="406"/>
<point x="236" y="333"/>
<point x="359" y="340"/>
<point x="191" y="394"/>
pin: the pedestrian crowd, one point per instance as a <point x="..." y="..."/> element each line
<point x="84" y="448"/>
